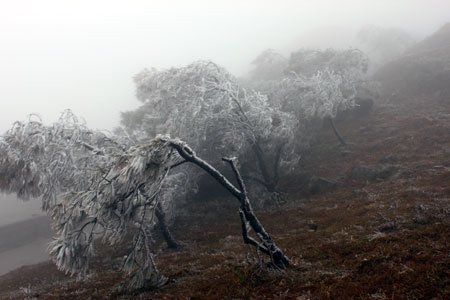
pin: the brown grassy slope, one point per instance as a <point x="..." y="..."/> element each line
<point x="376" y="239"/>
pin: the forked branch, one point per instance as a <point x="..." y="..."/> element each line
<point x="247" y="215"/>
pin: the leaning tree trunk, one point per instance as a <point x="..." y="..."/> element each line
<point x="247" y="215"/>
<point x="269" y="179"/>
<point x="161" y="216"/>
<point x="170" y="241"/>
<point x="336" y="132"/>
<point x="269" y="182"/>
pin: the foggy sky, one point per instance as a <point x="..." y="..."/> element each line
<point x="83" y="54"/>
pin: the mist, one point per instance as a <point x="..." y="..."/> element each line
<point x="82" y="55"/>
<point x="275" y="83"/>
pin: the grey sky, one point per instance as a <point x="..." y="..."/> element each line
<point x="83" y="54"/>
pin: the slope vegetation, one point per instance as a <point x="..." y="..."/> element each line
<point x="383" y="232"/>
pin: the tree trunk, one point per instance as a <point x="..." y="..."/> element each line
<point x="266" y="244"/>
<point x="270" y="182"/>
<point x="170" y="241"/>
<point x="336" y="132"/>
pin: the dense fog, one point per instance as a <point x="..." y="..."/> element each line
<point x="327" y="118"/>
<point x="82" y="55"/>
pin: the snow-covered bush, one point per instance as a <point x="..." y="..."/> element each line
<point x="318" y="85"/>
<point x="108" y="191"/>
<point x="307" y="62"/>
<point x="43" y="161"/>
<point x="203" y="104"/>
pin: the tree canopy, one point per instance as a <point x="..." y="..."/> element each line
<point x="203" y="104"/>
<point x="109" y="187"/>
<point x="103" y="191"/>
<point x="268" y="65"/>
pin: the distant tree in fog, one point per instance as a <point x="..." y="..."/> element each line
<point x="268" y="65"/>
<point x="99" y="187"/>
<point x="204" y="105"/>
<point x="320" y="97"/>
<point x="317" y="85"/>
<point x="307" y="62"/>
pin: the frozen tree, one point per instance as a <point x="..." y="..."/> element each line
<point x="344" y="69"/>
<point x="307" y="62"/>
<point x="43" y="161"/>
<point x="268" y="65"/>
<point x="117" y="195"/>
<point x="318" y="97"/>
<point x="320" y="84"/>
<point x="204" y="105"/>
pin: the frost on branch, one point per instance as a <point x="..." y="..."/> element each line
<point x="105" y="192"/>
<point x="319" y="85"/>
<point x="204" y="105"/>
<point x="320" y="96"/>
<point x="351" y="65"/>
<point x="122" y="200"/>
<point x="44" y="161"/>
<point x="91" y="185"/>
<point x="197" y="103"/>
<point x="125" y="200"/>
<point x="308" y="62"/>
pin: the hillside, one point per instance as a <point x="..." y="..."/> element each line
<point x="423" y="69"/>
<point x="19" y="233"/>
<point x="23" y="243"/>
<point x="440" y="39"/>
<point x="382" y="233"/>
